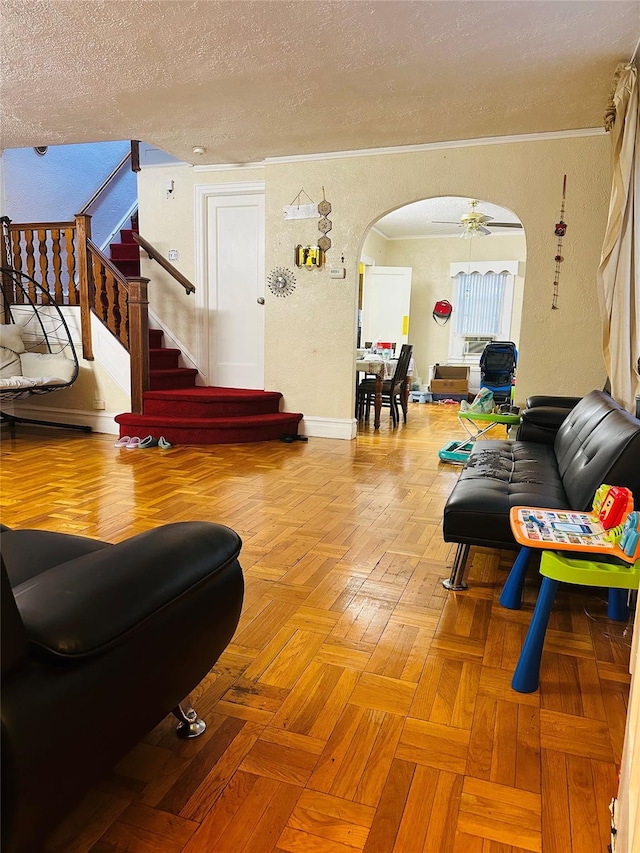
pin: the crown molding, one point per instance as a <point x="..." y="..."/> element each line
<point x="380" y="233"/>
<point x="436" y="146"/>
<point x="397" y="149"/>
<point x="227" y="167"/>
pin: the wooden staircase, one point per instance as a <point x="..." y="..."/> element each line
<point x="165" y="399"/>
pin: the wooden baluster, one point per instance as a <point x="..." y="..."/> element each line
<point x="31" y="262"/>
<point x="16" y="262"/>
<point x="114" y="307"/>
<point x="16" y="249"/>
<point x="44" y="261"/>
<point x="138" y="340"/>
<point x="101" y="305"/>
<point x="123" y="307"/>
<point x="83" y="233"/>
<point x="72" y="287"/>
<point x="56" y="262"/>
<point x="8" y="285"/>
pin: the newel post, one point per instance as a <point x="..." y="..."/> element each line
<point x="83" y="233"/>
<point x="138" y="340"/>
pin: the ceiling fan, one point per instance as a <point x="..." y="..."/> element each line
<point x="476" y="224"/>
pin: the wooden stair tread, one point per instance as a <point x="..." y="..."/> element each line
<point x="212" y="392"/>
<point x="236" y="421"/>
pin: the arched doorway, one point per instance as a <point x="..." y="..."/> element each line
<point x="425" y="238"/>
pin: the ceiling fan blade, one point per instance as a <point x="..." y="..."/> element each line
<point x="483" y="230"/>
<point x="444" y="222"/>
<point x="504" y="225"/>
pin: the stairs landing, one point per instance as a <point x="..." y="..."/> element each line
<point x="185" y="413"/>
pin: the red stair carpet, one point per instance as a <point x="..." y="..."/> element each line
<point x="125" y="255"/>
<point x="185" y="413"/>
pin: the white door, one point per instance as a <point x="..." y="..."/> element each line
<point x="235" y="279"/>
<point x="386" y="295"/>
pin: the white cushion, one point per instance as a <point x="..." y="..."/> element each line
<point x="9" y="362"/>
<point x="27" y="382"/>
<point x="47" y="364"/>
<point x="11" y="337"/>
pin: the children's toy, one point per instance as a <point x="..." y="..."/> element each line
<point x="458" y="451"/>
<point x="566" y="530"/>
<point x="455" y="452"/>
<point x="482" y="403"/>
<point x="630" y="534"/>
<point x="616" y="504"/>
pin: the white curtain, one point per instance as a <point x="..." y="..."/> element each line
<point x="618" y="286"/>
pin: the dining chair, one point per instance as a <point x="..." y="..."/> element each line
<point x="393" y="389"/>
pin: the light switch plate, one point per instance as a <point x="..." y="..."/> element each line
<point x="337" y="272"/>
<point x="173" y="254"/>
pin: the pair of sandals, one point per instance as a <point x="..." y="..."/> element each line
<point x="133" y="442"/>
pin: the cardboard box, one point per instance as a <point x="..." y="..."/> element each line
<point x="450" y="380"/>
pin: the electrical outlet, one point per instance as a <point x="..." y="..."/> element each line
<point x="173" y="254"/>
<point x="98" y="404"/>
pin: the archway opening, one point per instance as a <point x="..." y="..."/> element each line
<point x="471" y="255"/>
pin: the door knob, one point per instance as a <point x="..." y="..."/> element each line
<point x="260" y="300"/>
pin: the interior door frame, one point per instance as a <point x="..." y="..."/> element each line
<point x="202" y="194"/>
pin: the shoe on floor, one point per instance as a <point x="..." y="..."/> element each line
<point x="149" y="441"/>
<point x="122" y="442"/>
<point x="163" y="444"/>
<point x="133" y="443"/>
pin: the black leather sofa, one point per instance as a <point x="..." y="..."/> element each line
<point x="597" y="442"/>
<point x="99" y="643"/>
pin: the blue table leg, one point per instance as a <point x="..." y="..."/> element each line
<point x="511" y="596"/>
<point x="618" y="609"/>
<point x="526" y="676"/>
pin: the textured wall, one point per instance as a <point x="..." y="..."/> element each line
<point x="169" y="223"/>
<point x="55" y="187"/>
<point x="375" y="247"/>
<point x="431" y="280"/>
<point x="310" y="335"/>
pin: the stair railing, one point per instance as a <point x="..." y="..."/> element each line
<point x="155" y="255"/>
<point x="119" y="167"/>
<point x="74" y="270"/>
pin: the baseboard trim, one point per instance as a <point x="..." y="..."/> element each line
<point x="98" y="421"/>
<point x="343" y="428"/>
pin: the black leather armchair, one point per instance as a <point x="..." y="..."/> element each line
<point x="99" y="643"/>
<point x="543" y="417"/>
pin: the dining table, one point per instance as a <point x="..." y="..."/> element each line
<point x="381" y="369"/>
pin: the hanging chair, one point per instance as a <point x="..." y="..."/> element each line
<point x="37" y="355"/>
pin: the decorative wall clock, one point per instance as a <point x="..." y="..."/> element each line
<point x="281" y="281"/>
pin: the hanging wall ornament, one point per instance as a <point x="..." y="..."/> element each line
<point x="324" y="225"/>
<point x="281" y="281"/>
<point x="560" y="230"/>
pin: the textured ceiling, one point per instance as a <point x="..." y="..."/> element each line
<point x="440" y="217"/>
<point x="248" y="79"/>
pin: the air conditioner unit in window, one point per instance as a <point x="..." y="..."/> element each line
<point x="475" y="344"/>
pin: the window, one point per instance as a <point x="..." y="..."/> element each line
<point x="482" y="300"/>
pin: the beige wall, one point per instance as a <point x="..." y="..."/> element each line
<point x="93" y="383"/>
<point x="430" y="260"/>
<point x="169" y="223"/>
<point x="310" y="335"/>
<point x="375" y="248"/>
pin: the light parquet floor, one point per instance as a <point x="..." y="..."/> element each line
<point x="360" y="707"/>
